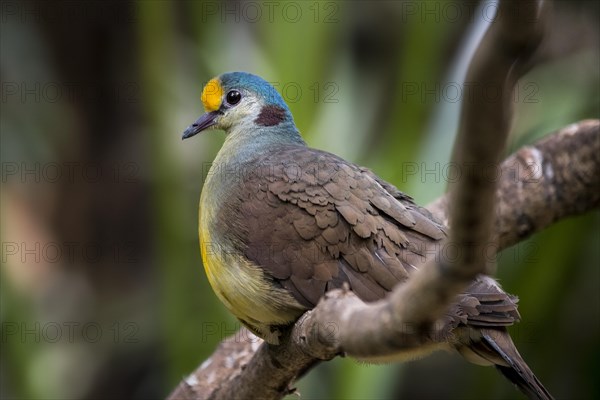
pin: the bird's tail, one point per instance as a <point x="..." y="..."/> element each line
<point x="513" y="366"/>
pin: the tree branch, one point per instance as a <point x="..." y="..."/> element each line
<point x="542" y="183"/>
<point x="481" y="140"/>
<point x="407" y="318"/>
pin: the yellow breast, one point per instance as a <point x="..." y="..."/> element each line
<point x="242" y="286"/>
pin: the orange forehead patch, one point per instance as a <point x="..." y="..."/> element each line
<point x="212" y="95"/>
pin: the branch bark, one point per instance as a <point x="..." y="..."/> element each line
<point x="409" y="317"/>
<point x="500" y="60"/>
<point x="555" y="178"/>
<point x="538" y="185"/>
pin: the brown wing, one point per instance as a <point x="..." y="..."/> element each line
<point x="484" y="304"/>
<point x="314" y="221"/>
<point x="317" y="221"/>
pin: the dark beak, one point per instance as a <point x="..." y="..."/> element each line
<point x="204" y="122"/>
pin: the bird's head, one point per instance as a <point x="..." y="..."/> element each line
<point x="240" y="102"/>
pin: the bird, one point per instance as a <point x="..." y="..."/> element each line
<point x="281" y="224"/>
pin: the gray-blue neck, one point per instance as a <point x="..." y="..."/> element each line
<point x="237" y="158"/>
<point x="247" y="141"/>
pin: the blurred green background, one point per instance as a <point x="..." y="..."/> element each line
<point x="103" y="294"/>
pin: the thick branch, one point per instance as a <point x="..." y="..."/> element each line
<point x="557" y="177"/>
<point x="541" y="183"/>
<point x="499" y="62"/>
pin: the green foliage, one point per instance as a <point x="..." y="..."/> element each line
<point x="364" y="82"/>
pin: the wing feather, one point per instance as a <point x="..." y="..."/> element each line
<point x="318" y="222"/>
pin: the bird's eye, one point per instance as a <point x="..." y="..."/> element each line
<point x="233" y="97"/>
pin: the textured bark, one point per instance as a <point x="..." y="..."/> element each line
<point x="564" y="184"/>
<point x="541" y="183"/>
<point x="560" y="180"/>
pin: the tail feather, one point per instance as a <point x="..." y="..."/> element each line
<point x="515" y="370"/>
<point x="531" y="386"/>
